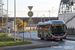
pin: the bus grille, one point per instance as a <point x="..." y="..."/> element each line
<point x="58" y="34"/>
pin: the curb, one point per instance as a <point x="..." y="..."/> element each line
<point x="44" y="46"/>
<point x="33" y="47"/>
<point x="70" y="39"/>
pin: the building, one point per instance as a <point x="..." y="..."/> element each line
<point x="67" y="14"/>
<point x="35" y="19"/>
<point x="68" y="18"/>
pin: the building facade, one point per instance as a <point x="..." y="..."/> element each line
<point x="67" y="14"/>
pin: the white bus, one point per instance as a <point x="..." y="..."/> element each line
<point x="55" y="29"/>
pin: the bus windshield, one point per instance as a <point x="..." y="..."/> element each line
<point x="58" y="28"/>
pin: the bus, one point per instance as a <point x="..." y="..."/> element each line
<point x="54" y="29"/>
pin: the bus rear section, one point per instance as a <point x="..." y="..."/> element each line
<point x="55" y="29"/>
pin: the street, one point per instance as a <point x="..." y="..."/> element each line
<point x="63" y="45"/>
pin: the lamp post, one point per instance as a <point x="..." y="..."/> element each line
<point x="49" y="14"/>
<point x="7" y="20"/>
<point x="44" y="17"/>
<point x="15" y="20"/>
<point x="41" y="18"/>
<point x="52" y="11"/>
<point x="17" y="33"/>
<point x="2" y="18"/>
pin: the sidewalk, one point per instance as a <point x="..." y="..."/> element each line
<point x="35" y="44"/>
<point x="70" y="37"/>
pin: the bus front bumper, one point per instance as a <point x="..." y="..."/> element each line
<point x="57" y="37"/>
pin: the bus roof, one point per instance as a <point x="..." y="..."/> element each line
<point x="52" y="22"/>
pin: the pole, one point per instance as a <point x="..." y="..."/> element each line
<point x="37" y="14"/>
<point x="49" y="14"/>
<point x="52" y="11"/>
<point x="44" y="17"/>
<point x="30" y="15"/>
<point x="15" y="19"/>
<point x="17" y="33"/>
<point x="23" y="29"/>
<point x="7" y="20"/>
<point x="30" y="32"/>
<point x="41" y="18"/>
<point x="2" y="18"/>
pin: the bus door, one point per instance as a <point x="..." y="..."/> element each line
<point x="50" y="30"/>
<point x="43" y="31"/>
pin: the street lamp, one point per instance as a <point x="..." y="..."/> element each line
<point x="44" y="17"/>
<point x="2" y="18"/>
<point x="52" y="11"/>
<point x="41" y="18"/>
<point x="49" y="14"/>
<point x="15" y="20"/>
<point x="7" y="20"/>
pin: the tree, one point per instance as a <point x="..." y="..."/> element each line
<point x="0" y="25"/>
<point x="4" y="24"/>
<point x="20" y="23"/>
<point x="25" y="24"/>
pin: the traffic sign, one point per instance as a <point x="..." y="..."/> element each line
<point x="30" y="13"/>
<point x="30" y="7"/>
<point x="30" y="21"/>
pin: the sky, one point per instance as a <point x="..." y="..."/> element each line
<point x="40" y="8"/>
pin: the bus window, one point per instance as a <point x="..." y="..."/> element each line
<point x="65" y="27"/>
<point x="58" y="28"/>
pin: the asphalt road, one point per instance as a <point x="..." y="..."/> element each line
<point x="63" y="45"/>
<point x="33" y="35"/>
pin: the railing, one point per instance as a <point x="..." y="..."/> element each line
<point x="70" y="19"/>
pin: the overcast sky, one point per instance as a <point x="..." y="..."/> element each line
<point x="40" y="7"/>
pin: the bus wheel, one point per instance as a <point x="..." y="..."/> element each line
<point x="60" y="39"/>
<point x="42" y="38"/>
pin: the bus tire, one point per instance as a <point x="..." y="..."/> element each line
<point x="60" y="39"/>
<point x="42" y="38"/>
